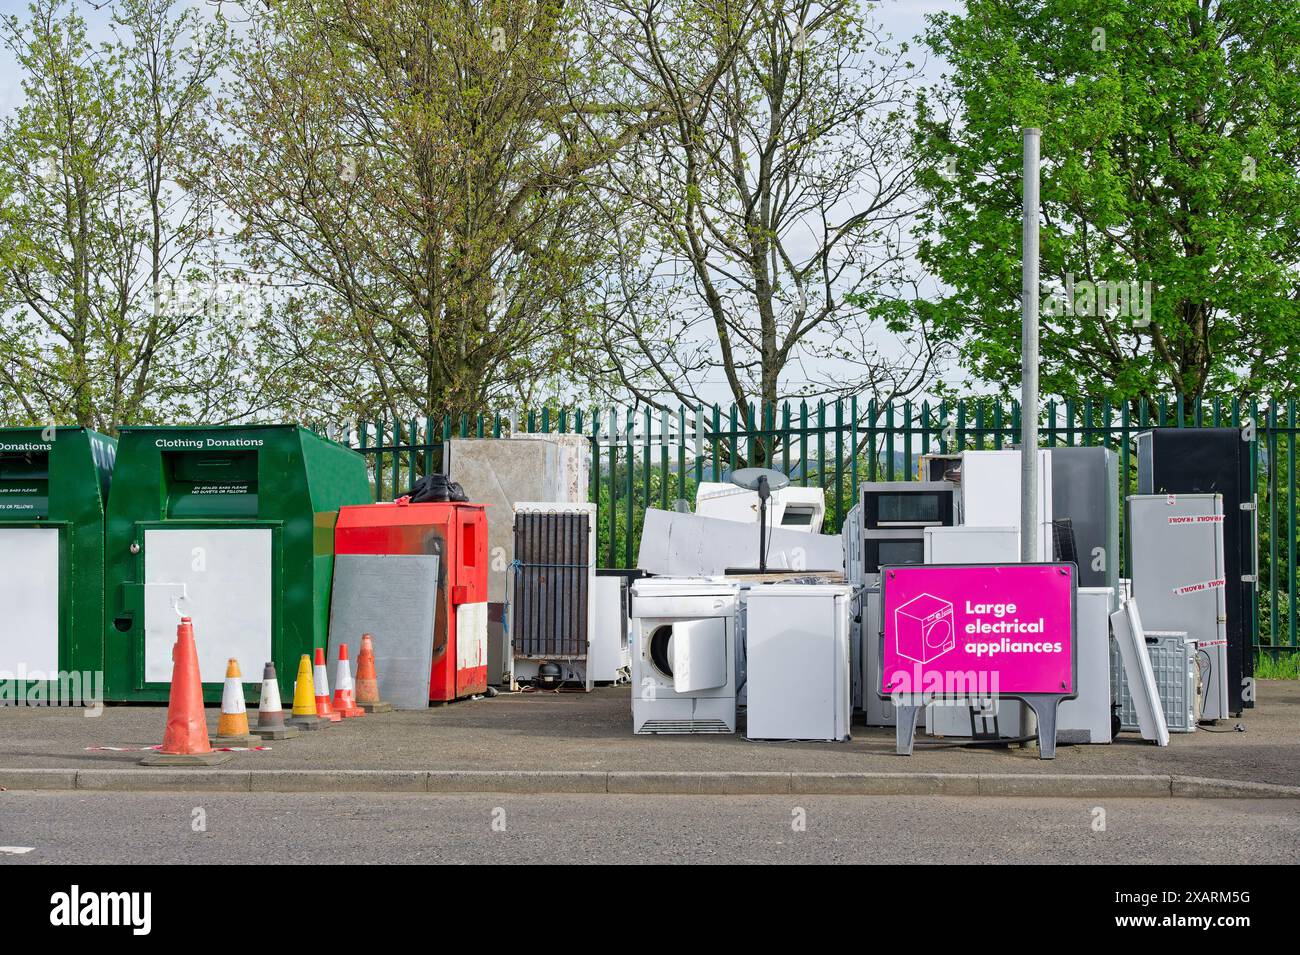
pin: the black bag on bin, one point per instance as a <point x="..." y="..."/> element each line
<point x="435" y="488"/>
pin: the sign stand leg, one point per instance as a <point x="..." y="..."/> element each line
<point x="905" y="728"/>
<point x="1044" y="707"/>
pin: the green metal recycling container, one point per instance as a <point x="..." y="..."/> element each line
<point x="53" y="487"/>
<point x="233" y="527"/>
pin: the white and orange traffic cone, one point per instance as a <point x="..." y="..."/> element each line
<point x="322" y="684"/>
<point x="367" y="680"/>
<point x="344" y="702"/>
<point x="185" y="741"/>
<point x="270" y="713"/>
<point x="232" y="724"/>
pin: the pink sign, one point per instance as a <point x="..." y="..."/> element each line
<point x="967" y="631"/>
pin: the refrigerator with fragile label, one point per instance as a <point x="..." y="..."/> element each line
<point x="1176" y="557"/>
<point x="1216" y="461"/>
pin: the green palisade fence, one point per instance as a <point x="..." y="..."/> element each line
<point x="651" y="457"/>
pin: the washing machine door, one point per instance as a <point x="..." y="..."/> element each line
<point x="699" y="654"/>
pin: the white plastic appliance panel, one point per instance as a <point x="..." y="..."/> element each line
<point x="699" y="654"/>
<point x="1129" y="632"/>
<point x="797" y="663"/>
<point x="990" y="493"/>
<point x="1086" y="718"/>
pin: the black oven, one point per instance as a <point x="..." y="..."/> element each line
<point x="888" y="547"/>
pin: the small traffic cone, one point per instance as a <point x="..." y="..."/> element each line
<point x="321" y="681"/>
<point x="270" y="714"/>
<point x="304" y="699"/>
<point x="367" y="680"/>
<point x="344" y="702"/>
<point x="185" y="741"/>
<point x="232" y="724"/>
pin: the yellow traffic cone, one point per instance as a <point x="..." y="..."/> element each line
<point x="304" y="698"/>
<point x="232" y="724"/>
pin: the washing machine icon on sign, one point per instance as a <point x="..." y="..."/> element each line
<point x="924" y="629"/>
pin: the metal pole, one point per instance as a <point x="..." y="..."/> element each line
<point x="1029" y="353"/>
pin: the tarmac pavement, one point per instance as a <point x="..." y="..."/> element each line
<point x="583" y="743"/>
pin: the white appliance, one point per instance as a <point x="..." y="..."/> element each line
<point x="1131" y="637"/>
<point x="683" y="656"/>
<point x="964" y="544"/>
<point x="990" y="493"/>
<point x="879" y="712"/>
<point x="608" y="656"/>
<point x="797" y="662"/>
<point x="793" y="508"/>
<point x="688" y="545"/>
<point x="1087" y="718"/>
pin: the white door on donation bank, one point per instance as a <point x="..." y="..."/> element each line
<point x="221" y="579"/>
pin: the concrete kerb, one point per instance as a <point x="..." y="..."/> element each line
<point x="1049" y="785"/>
<point x="699" y="784"/>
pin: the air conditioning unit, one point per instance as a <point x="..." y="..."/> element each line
<point x="793" y="508"/>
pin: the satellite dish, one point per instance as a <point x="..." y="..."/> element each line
<point x="752" y="478"/>
<point x="764" y="481"/>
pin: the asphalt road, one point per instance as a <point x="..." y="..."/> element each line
<point x="117" y="828"/>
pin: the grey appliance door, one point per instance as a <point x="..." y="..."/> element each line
<point x="1179" y="577"/>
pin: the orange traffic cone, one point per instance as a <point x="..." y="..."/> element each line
<point x="344" y="702"/>
<point x="322" y="684"/>
<point x="232" y="724"/>
<point x="367" y="680"/>
<point x="304" y="699"/>
<point x="270" y="714"/>
<point x="185" y="742"/>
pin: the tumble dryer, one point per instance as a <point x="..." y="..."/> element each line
<point x="684" y="656"/>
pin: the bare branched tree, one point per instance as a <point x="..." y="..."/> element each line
<point x="764" y="232"/>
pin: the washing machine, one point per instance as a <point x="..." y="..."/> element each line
<point x="684" y="655"/>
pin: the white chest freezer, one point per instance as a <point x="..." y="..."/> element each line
<point x="797" y="661"/>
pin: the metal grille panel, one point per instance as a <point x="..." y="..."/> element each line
<point x="550" y="589"/>
<point x="1173" y="661"/>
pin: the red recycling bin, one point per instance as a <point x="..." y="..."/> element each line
<point x="457" y="533"/>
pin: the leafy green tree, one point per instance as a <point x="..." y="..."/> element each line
<point x="103" y="235"/>
<point x="1171" y="155"/>
<point x="414" y="177"/>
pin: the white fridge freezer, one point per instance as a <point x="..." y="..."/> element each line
<point x="1087" y="717"/>
<point x="797" y="661"/>
<point x="990" y="493"/>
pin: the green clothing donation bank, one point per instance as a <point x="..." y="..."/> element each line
<point x="234" y="528"/>
<point x="54" y="483"/>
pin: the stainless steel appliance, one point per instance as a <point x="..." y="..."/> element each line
<point x="1085" y="491"/>
<point x="1216" y="461"/>
<point x="1176" y="557"/>
<point x="895" y="515"/>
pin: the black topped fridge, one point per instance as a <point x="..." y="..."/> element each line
<point x="1215" y="461"/>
